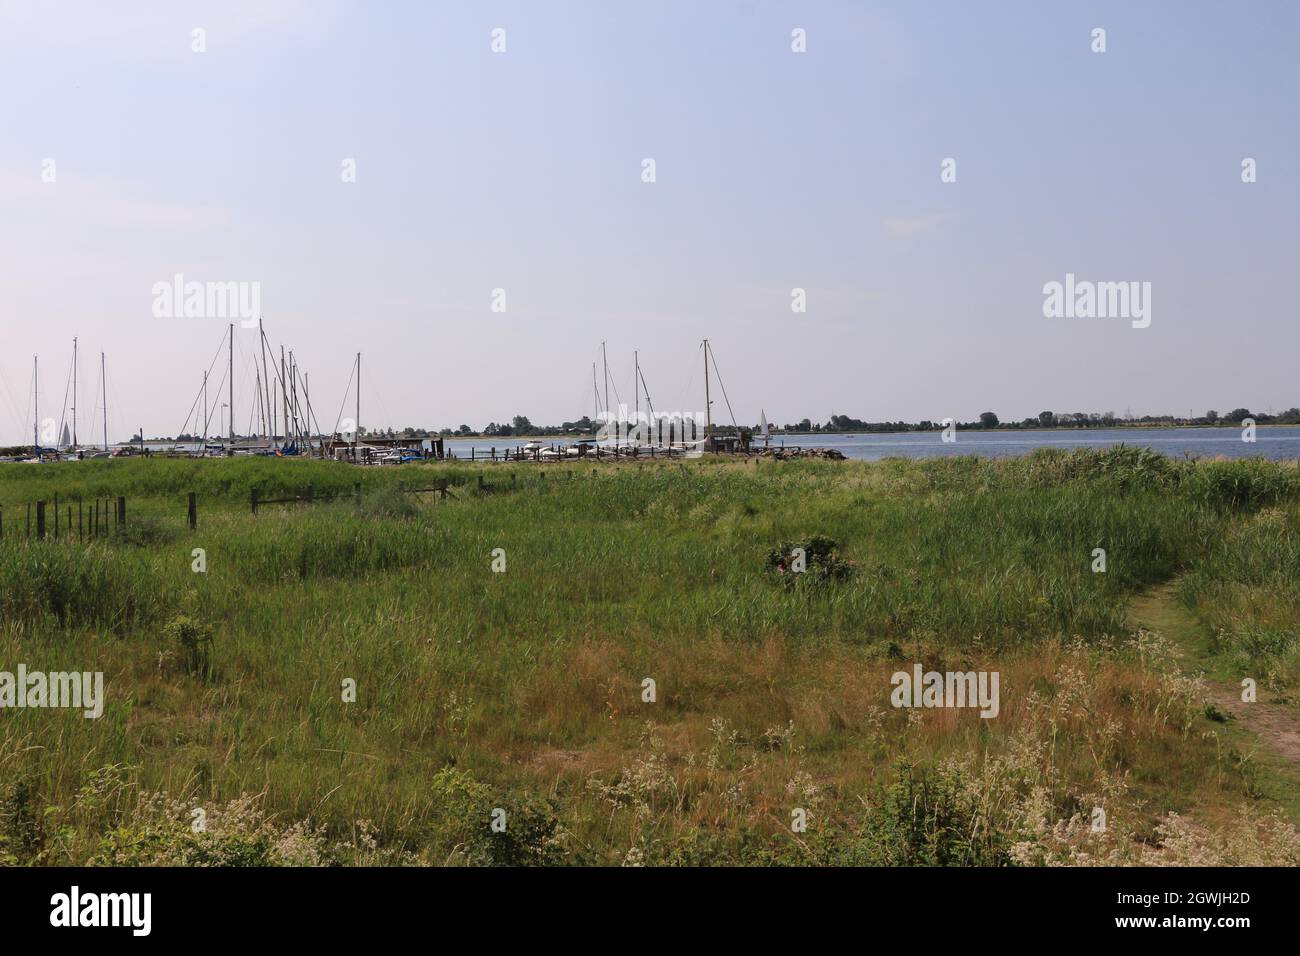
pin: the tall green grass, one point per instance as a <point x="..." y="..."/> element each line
<point x="527" y="682"/>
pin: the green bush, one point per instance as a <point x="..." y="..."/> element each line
<point x="464" y="810"/>
<point x="822" y="561"/>
<point x="929" y="818"/>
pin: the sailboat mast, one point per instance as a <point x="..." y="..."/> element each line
<point x="36" y="403"/>
<point x="267" y="412"/>
<point x="636" y="387"/>
<point x="604" y="358"/>
<point x="311" y="415"/>
<point x="231" y="376"/>
<point x="356" y="429"/>
<point x="292" y="392"/>
<point x="284" y="397"/>
<point x="205" y="413"/>
<point x="708" y="403"/>
<point x="74" y="391"/>
<point x="103" y="378"/>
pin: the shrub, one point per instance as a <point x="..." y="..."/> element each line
<point x="821" y="559"/>
<point x="195" y="640"/>
<point x="930" y="818"/>
<point x="465" y="809"/>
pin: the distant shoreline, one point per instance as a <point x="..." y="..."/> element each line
<point x="903" y="431"/>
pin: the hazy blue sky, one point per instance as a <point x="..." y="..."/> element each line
<point x="522" y="170"/>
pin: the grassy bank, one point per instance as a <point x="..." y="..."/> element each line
<point x="523" y="690"/>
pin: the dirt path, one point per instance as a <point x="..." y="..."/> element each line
<point x="1277" y="727"/>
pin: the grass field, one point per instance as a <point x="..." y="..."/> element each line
<point x="517" y="695"/>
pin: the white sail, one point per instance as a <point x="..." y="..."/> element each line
<point x="763" y="418"/>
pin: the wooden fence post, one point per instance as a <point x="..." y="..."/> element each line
<point x="40" y="520"/>
<point x="253" y="496"/>
<point x="121" y="509"/>
<point x="193" y="511"/>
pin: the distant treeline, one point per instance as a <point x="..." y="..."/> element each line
<point x="520" y="425"/>
<point x="843" y="423"/>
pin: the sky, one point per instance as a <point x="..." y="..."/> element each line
<point x="128" y="156"/>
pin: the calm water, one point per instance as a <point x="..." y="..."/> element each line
<point x="1278" y="442"/>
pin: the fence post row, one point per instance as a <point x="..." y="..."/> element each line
<point x="88" y="519"/>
